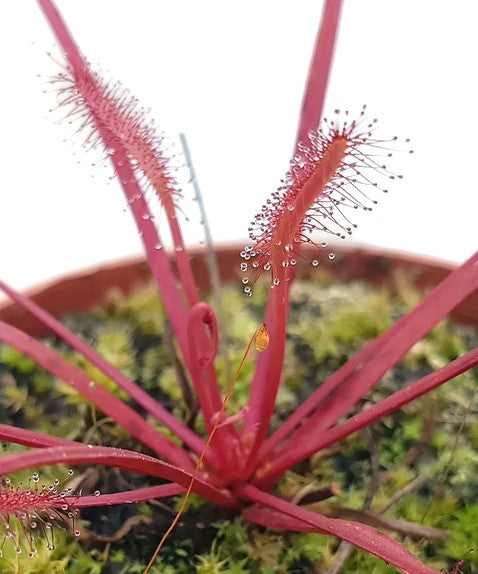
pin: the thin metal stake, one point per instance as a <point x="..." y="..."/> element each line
<point x="211" y="258"/>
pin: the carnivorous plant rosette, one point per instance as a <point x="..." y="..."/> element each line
<point x="339" y="166"/>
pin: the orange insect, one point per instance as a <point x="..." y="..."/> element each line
<point x="262" y="338"/>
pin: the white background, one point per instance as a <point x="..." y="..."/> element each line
<point x="230" y="75"/>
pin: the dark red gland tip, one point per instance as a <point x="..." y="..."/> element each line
<point x="37" y="509"/>
<point x="340" y="169"/>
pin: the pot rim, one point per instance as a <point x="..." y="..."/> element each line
<point x="85" y="288"/>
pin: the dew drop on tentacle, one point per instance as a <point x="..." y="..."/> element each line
<point x="37" y="508"/>
<point x="336" y="172"/>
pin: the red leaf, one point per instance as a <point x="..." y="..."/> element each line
<point x="319" y="71"/>
<point x="273" y="512"/>
<point x="120" y="458"/>
<point x="95" y="393"/>
<point x="347" y="385"/>
<point x="133" y="390"/>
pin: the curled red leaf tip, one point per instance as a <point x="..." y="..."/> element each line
<point x="202" y="335"/>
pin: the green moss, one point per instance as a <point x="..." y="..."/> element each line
<point x="15" y="360"/>
<point x="465" y="535"/>
<point x="143" y="309"/>
<point x="67" y="557"/>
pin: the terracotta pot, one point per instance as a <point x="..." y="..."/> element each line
<point x="87" y="288"/>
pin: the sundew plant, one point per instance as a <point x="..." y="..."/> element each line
<point x="340" y="166"/>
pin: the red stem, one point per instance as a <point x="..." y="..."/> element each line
<point x="207" y="387"/>
<point x="157" y="259"/>
<point x="269" y="365"/>
<point x="366" y="368"/>
<point x="77" y="62"/>
<point x="392" y="403"/>
<point x="134" y="391"/>
<point x="119" y="458"/>
<point x="182" y="260"/>
<point x="267" y="375"/>
<point x="155" y="254"/>
<point x="205" y="381"/>
<point x="129" y="497"/>
<point x="319" y="71"/>
<point x="203" y="344"/>
<point x="31" y="438"/>
<point x="288" y="516"/>
<point x="63" y="35"/>
<point x="96" y="394"/>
